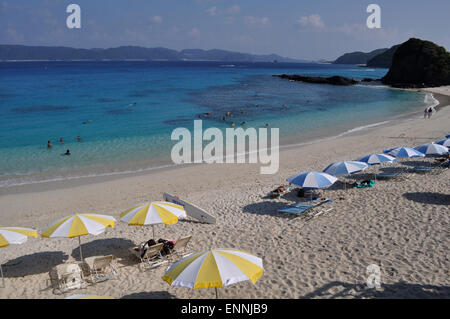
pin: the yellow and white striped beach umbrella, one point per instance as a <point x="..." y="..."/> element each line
<point x="88" y="297"/>
<point x="78" y="225"/>
<point x="14" y="235"/>
<point x="214" y="268"/>
<point x="153" y="213"/>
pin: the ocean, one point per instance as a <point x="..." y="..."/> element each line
<point x="125" y="111"/>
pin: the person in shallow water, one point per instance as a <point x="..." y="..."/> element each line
<point x="61" y="140"/>
<point x="78" y="138"/>
<point x="67" y="152"/>
<point x="49" y="144"/>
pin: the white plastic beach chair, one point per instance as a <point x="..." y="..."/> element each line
<point x="101" y="268"/>
<point x="152" y="257"/>
<point x="67" y="277"/>
<point x="180" y="248"/>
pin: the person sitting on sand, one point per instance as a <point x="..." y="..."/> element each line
<point x="67" y="152"/>
<point x="49" y="144"/>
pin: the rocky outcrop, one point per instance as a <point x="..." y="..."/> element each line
<point x="419" y="63"/>
<point x="333" y="80"/>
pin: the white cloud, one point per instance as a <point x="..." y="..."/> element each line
<point x="12" y="36"/>
<point x="234" y="9"/>
<point x="157" y="19"/>
<point x="256" y="21"/>
<point x="313" y="20"/>
<point x="212" y="11"/>
<point x="194" y="32"/>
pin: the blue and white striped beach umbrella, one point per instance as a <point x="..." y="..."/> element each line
<point x="312" y="180"/>
<point x="432" y="149"/>
<point x="444" y="142"/>
<point x="373" y="159"/>
<point x="345" y="167"/>
<point x="404" y="152"/>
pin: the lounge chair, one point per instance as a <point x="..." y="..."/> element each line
<point x="422" y="169"/>
<point x="388" y="175"/>
<point x="304" y="208"/>
<point x="431" y="169"/>
<point x="66" y="277"/>
<point x="101" y="268"/>
<point x="180" y="247"/>
<point x="152" y="256"/>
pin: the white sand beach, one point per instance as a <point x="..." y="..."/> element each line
<point x="401" y="225"/>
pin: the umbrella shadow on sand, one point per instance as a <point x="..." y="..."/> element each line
<point x="428" y="198"/>
<point x="33" y="264"/>
<point x="118" y="247"/>
<point x="401" y="289"/>
<point x="150" y="295"/>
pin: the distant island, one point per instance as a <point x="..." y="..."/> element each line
<point x="53" y="53"/>
<point x="358" y="57"/>
<point x="380" y="58"/>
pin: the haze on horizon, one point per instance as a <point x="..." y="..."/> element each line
<point x="296" y="29"/>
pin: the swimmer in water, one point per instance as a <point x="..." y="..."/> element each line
<point x="243" y="123"/>
<point x="87" y="122"/>
<point x="232" y="124"/>
<point x="49" y="144"/>
<point x="267" y="125"/>
<point x="67" y="152"/>
<point x="78" y="138"/>
<point x="61" y="140"/>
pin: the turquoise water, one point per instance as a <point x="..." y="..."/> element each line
<point x="125" y="111"/>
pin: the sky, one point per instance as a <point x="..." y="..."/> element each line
<point x="302" y="29"/>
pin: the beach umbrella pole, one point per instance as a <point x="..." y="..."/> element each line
<point x="217" y="294"/>
<point x="153" y="230"/>
<point x="79" y="241"/>
<point x="3" y="279"/>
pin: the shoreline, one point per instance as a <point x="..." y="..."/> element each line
<point x="77" y="181"/>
